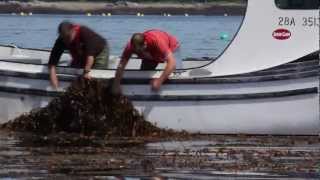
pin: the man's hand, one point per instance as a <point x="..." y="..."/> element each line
<point x="86" y="75"/>
<point x="170" y="67"/>
<point x="87" y="67"/>
<point x="116" y="89"/>
<point x="156" y="84"/>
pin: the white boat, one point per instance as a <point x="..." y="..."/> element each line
<point x="265" y="82"/>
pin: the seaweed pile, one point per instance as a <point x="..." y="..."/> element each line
<point x="87" y="108"/>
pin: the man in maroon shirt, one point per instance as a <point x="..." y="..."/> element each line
<point x="87" y="48"/>
<point x="152" y="47"/>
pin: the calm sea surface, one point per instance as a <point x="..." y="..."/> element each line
<point x="198" y="35"/>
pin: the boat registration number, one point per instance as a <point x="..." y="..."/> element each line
<point x="305" y="21"/>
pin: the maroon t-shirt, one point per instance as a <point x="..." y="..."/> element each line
<point x="86" y="43"/>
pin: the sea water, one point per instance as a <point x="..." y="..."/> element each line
<point x="199" y="36"/>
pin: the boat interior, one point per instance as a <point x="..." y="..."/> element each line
<point x="12" y="53"/>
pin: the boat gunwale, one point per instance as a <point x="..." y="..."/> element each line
<point x="197" y="80"/>
<point x="242" y="78"/>
<point x="292" y="63"/>
<point x="296" y="69"/>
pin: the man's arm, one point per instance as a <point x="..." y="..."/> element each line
<point x="170" y="67"/>
<point x="53" y="76"/>
<point x="55" y="55"/>
<point x="87" y="67"/>
<point x="126" y="55"/>
<point x="118" y="76"/>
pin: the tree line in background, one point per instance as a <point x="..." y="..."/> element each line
<point x="139" y="1"/>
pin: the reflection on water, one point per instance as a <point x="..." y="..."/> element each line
<point x="199" y="157"/>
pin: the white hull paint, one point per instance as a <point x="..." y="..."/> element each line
<point x="292" y="115"/>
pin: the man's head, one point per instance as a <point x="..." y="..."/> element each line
<point x="65" y="31"/>
<point x="138" y="42"/>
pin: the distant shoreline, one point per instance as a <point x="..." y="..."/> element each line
<point x="122" y="8"/>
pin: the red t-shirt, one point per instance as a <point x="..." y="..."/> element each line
<point x="159" y="44"/>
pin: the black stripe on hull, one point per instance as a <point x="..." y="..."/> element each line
<point x="279" y="94"/>
<point x="212" y="80"/>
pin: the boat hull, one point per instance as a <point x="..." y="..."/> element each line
<point x="294" y="114"/>
<point x="283" y="104"/>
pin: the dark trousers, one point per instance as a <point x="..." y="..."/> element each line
<point x="100" y="61"/>
<point x="148" y="65"/>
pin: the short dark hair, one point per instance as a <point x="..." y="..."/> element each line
<point x="64" y="26"/>
<point x="137" y="38"/>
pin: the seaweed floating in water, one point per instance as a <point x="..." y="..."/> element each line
<point x="87" y="108"/>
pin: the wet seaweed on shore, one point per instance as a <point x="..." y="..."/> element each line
<point x="87" y="108"/>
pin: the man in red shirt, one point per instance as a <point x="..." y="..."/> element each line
<point x="152" y="47"/>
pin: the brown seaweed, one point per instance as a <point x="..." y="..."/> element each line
<point x="88" y="108"/>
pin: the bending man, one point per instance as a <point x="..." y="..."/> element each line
<point x="152" y="47"/>
<point x="87" y="48"/>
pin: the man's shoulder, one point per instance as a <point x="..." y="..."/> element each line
<point x="87" y="32"/>
<point x="84" y="28"/>
<point x="59" y="42"/>
<point x="156" y="34"/>
<point x="152" y="32"/>
<point x="152" y="35"/>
